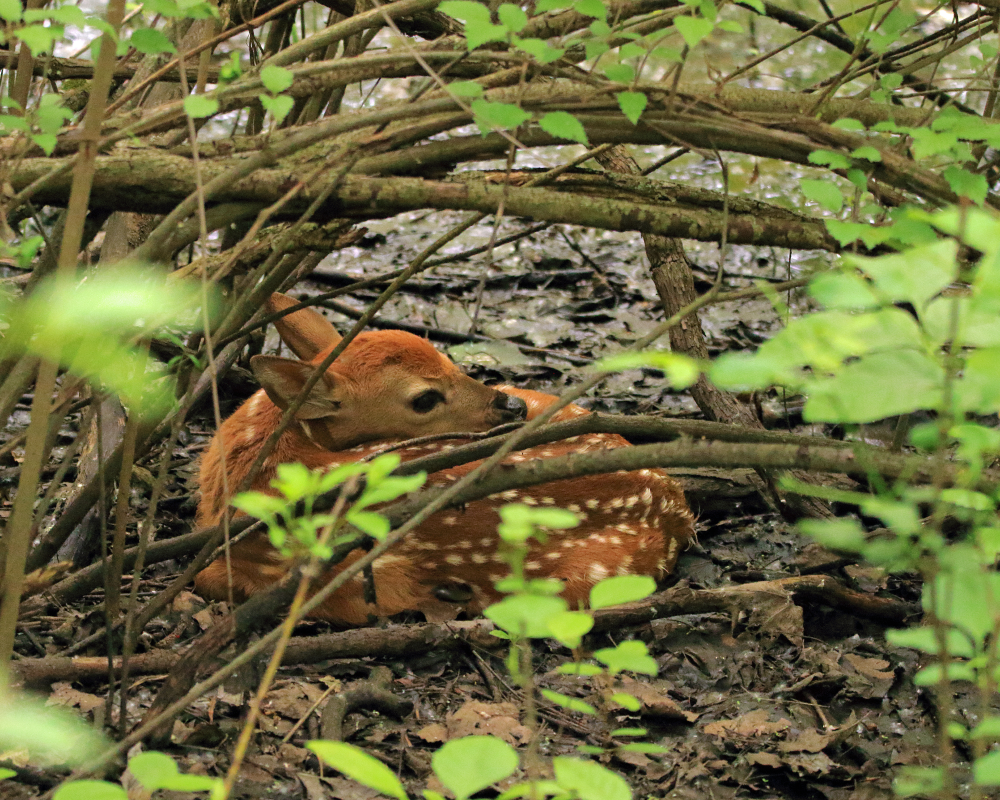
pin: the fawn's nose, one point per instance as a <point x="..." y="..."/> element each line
<point x="510" y="406"/>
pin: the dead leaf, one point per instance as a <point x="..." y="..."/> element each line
<point x="753" y="724"/>
<point x="497" y="719"/>
<point x="654" y="699"/>
<point x="633" y="759"/>
<point x="765" y="760"/>
<point x="313" y="786"/>
<point x="870" y="678"/>
<point x="290" y="700"/>
<point x="63" y="694"/>
<point x="292" y="756"/>
<point x="813" y="764"/>
<point x="435" y="732"/>
<point x="808" y="741"/>
<point x="875" y="668"/>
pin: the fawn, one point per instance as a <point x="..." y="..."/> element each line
<point x="391" y="385"/>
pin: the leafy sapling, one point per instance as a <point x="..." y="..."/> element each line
<point x="295" y="534"/>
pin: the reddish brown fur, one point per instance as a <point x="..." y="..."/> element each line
<point x="631" y="522"/>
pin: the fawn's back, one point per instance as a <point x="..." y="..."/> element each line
<point x="388" y="386"/>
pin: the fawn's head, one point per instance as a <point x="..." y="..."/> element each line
<point x="385" y="385"/>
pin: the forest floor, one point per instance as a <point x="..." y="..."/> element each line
<point x="782" y="700"/>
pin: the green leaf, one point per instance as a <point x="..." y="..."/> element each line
<point x="868" y="153"/>
<point x="644" y="747"/>
<point x="259" y="505"/>
<point x="50" y="734"/>
<point x="11" y="10"/>
<point x="512" y="17"/>
<point x="595" y="48"/>
<point x="631" y="50"/>
<point x="7" y="773"/>
<point x="465" y="89"/>
<point x="150" y="40"/>
<point x="570" y="627"/>
<point x="539" y="49"/>
<point x="591" y="8"/>
<point x="279" y="106"/>
<point x="876" y="386"/>
<point x="986" y="769"/>
<point x="632" y="105"/>
<point x="621" y="589"/>
<point x="588" y="780"/>
<point x="843" y="289"/>
<point x="967" y="184"/>
<point x="67" y="14"/>
<point x="51" y="114"/>
<point x="156" y="770"/>
<point x="198" y="106"/>
<point x="471" y="764"/>
<point x="681" y="371"/>
<point x="370" y="522"/>
<point x="479" y="27"/>
<point x="505" y="116"/>
<point x="826" y="193"/>
<point x="276" y="79"/>
<point x="629" y="655"/>
<point x="829" y="159"/>
<point x="924" y="639"/>
<point x="355" y="763"/>
<point x="914" y="276"/>
<point x="551" y="5"/>
<point x="989" y="728"/>
<point x="620" y="73"/>
<point x="8" y="122"/>
<point x="918" y="780"/>
<point x="571" y="703"/>
<point x="838" y="534"/>
<point x="756" y="5"/>
<point x="629" y="732"/>
<point x="626" y="701"/>
<point x="579" y="668"/>
<point x="90" y="790"/>
<point x="526" y="616"/>
<point x="563" y="125"/>
<point x="693" y="29"/>
<point x="40" y="38"/>
<point x="46" y="141"/>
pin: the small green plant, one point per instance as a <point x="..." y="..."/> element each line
<point x="93" y="328"/>
<point x="867" y="356"/>
<point x="532" y="609"/>
<point x="295" y="534"/>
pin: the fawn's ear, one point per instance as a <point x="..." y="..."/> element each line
<point x="283" y="379"/>
<point x="306" y="332"/>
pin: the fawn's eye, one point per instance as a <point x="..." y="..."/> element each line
<point x="426" y="401"/>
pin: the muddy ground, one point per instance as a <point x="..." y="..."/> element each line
<point x="778" y="699"/>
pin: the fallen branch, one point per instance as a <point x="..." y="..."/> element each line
<point x="397" y="641"/>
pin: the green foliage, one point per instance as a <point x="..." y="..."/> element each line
<point x="91" y="328"/>
<point x="298" y="534"/>
<point x="564" y="125"/>
<point x="632" y="105"/>
<point x="357" y="764"/>
<point x="156" y="770"/>
<point x="49" y="734"/>
<point x="681" y="371"/>
<point x="588" y="780"/>
<point x="150" y="40"/>
<point x="90" y="790"/>
<point x="693" y="29"/>
<point x="198" y="106"/>
<point x="472" y="763"/>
